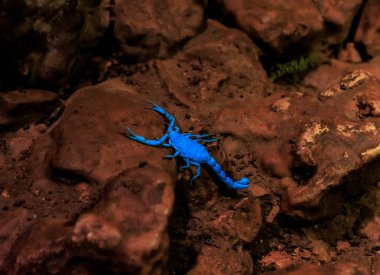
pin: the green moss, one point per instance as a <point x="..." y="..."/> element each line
<point x="293" y="70"/>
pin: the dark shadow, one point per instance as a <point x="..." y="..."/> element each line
<point x="182" y="252"/>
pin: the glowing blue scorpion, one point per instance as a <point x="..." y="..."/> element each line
<point x="187" y="147"/>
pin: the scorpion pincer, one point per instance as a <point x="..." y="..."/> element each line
<point x="187" y="147"/>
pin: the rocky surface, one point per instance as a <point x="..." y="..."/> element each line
<point x="367" y="32"/>
<point x="269" y="21"/>
<point x="343" y="268"/>
<point x="22" y="107"/>
<point x="43" y="39"/>
<point x="90" y="199"/>
<point x="149" y="28"/>
<point x="78" y="197"/>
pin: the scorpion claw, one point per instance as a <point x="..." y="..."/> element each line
<point x="131" y="134"/>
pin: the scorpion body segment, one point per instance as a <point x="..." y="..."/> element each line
<point x="187" y="147"/>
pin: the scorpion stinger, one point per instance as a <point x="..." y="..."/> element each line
<point x="187" y="147"/>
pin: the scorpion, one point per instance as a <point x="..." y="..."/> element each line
<point x="187" y="147"/>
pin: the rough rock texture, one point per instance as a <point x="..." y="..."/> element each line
<point x="225" y="231"/>
<point x="337" y="16"/>
<point x="42" y="39"/>
<point x="78" y="197"/>
<point x="153" y="28"/>
<point x="22" y="107"/>
<point x="93" y="195"/>
<point x="328" y="21"/>
<point x="321" y="148"/>
<point x="367" y="32"/>
<point x="269" y="21"/>
<point x="327" y="74"/>
<point x="220" y="64"/>
<point x="343" y="268"/>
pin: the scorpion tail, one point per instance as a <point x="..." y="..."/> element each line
<point x="240" y="184"/>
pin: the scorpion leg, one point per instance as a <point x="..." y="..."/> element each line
<point x="172" y="156"/>
<point x="198" y="170"/>
<point x="185" y="166"/>
<point x="153" y="142"/>
<point x="202" y="136"/>
<point x="208" y="140"/>
<point x="205" y="138"/>
<point x="167" y="145"/>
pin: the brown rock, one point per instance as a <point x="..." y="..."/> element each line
<point x="222" y="261"/>
<point x="44" y="40"/>
<point x="327" y="74"/>
<point x="277" y="23"/>
<point x="350" y="54"/>
<point x="342" y="246"/>
<point x="319" y="132"/>
<point x="367" y="32"/>
<point x="22" y="107"/>
<point x="148" y="28"/>
<point x="84" y="145"/>
<point x="243" y="222"/>
<point x="338" y="16"/>
<point x="198" y="74"/>
<point x="376" y="264"/>
<point x="129" y="223"/>
<point x="44" y="250"/>
<point x="371" y="229"/>
<point x="322" y="251"/>
<point x="336" y="269"/>
<point x="14" y="226"/>
<point x="277" y="259"/>
<point x="93" y="193"/>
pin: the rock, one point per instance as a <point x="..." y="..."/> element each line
<point x="371" y="229"/>
<point x="21" y="107"/>
<point x="14" y="226"/>
<point x="44" y="250"/>
<point x="258" y="191"/>
<point x="338" y="18"/>
<point x="272" y="214"/>
<point x="91" y="193"/>
<point x="322" y="251"/>
<point x="243" y="222"/>
<point x="342" y="246"/>
<point x="350" y="54"/>
<point x="128" y="224"/>
<point x="147" y="29"/>
<point x="376" y="264"/>
<point x="45" y="38"/>
<point x="327" y="140"/>
<point x="367" y="32"/>
<point x="219" y="234"/>
<point x="279" y="24"/>
<point x="327" y="74"/>
<point x="218" y="64"/>
<point x="334" y="269"/>
<point x="82" y="140"/>
<point x="222" y="261"/>
<point x="277" y="259"/>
